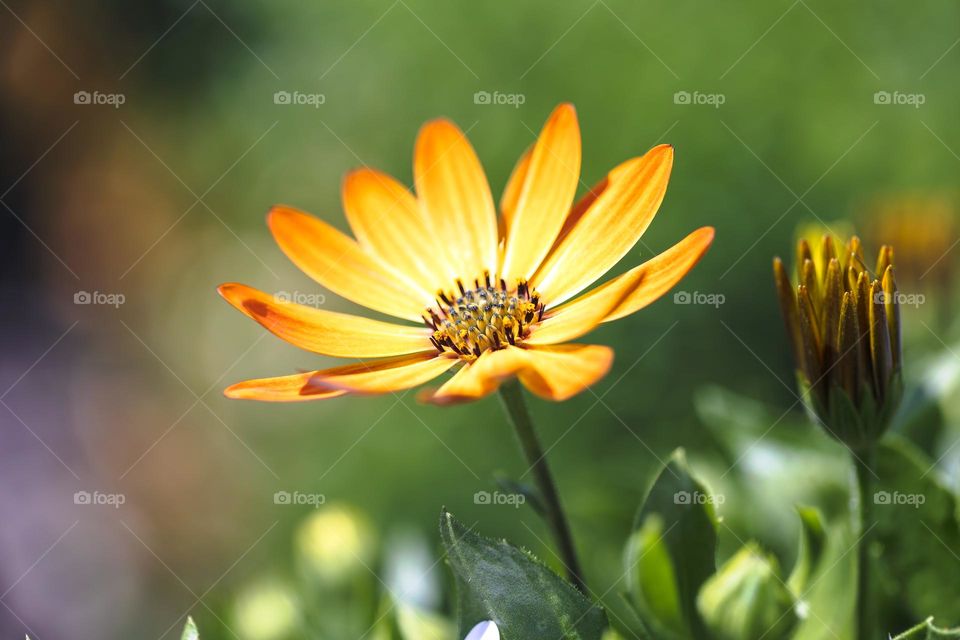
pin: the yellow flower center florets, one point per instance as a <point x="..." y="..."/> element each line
<point x="487" y="317"/>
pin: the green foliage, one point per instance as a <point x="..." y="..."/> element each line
<point x="747" y="599"/>
<point x="917" y="534"/>
<point x="499" y="582"/>
<point x="672" y="552"/>
<point x="926" y="630"/>
<point x="812" y="542"/>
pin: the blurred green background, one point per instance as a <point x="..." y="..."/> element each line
<point x="163" y="197"/>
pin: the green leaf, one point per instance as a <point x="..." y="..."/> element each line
<point x="828" y="602"/>
<point x="927" y="631"/>
<point x="812" y="542"/>
<point x="190" y="630"/>
<point x="499" y="582"/>
<point x="673" y="551"/>
<point x="650" y="573"/>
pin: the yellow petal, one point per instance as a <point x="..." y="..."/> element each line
<point x="541" y="206"/>
<point x="387" y="221"/>
<point x="561" y="371"/>
<point x="480" y="378"/>
<point x="341" y="265"/>
<point x="581" y="315"/>
<point x="327" y="332"/>
<point x="378" y="376"/>
<point x="608" y="228"/>
<point x="552" y="372"/>
<point x="511" y="193"/>
<point x="455" y="196"/>
<point x="294" y="388"/>
<point x="384" y="376"/>
<point x="662" y="272"/>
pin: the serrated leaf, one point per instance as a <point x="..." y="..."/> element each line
<point x="926" y="630"/>
<point x="190" y="630"/>
<point x="812" y="543"/>
<point x="683" y="510"/>
<point x="497" y="581"/>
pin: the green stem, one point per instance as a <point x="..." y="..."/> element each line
<point x="864" y="461"/>
<point x="511" y="394"/>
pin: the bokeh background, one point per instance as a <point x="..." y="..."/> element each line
<point x="155" y="191"/>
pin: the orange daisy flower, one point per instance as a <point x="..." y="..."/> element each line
<point x="493" y="297"/>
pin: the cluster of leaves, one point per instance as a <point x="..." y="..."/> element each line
<point x="704" y="558"/>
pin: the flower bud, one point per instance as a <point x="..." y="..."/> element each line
<point x="746" y="600"/>
<point x="844" y="328"/>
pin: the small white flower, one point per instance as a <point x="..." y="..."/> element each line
<point x="486" y="630"/>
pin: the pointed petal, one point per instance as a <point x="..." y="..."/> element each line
<point x="480" y="378"/>
<point x="559" y="372"/>
<point x="378" y="376"/>
<point x="293" y="388"/>
<point x="384" y="376"/>
<point x="341" y="265"/>
<point x="624" y="294"/>
<point x="554" y="372"/>
<point x="583" y="314"/>
<point x="511" y="193"/>
<point x="664" y="271"/>
<point x="788" y="309"/>
<point x="326" y="332"/>
<point x="881" y="354"/>
<point x="387" y="221"/>
<point x="848" y="363"/>
<point x="892" y="305"/>
<point x="609" y="228"/>
<point x="549" y="184"/>
<point x="456" y="200"/>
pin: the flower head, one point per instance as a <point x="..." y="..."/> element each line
<point x="493" y="296"/>
<point x="844" y="327"/>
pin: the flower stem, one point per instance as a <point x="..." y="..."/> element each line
<point x="511" y="394"/>
<point x="864" y="461"/>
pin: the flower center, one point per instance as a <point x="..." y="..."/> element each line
<point x="487" y="317"/>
